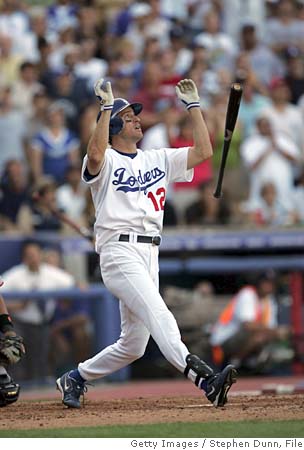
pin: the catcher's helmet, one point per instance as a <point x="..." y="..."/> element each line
<point x="116" y="123"/>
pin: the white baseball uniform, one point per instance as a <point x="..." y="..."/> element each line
<point x="129" y="196"/>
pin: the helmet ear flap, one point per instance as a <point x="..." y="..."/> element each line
<point x="116" y="125"/>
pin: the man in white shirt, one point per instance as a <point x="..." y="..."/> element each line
<point x="31" y="317"/>
<point x="269" y="156"/>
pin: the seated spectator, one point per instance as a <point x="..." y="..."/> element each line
<point x="295" y="73"/>
<point x="89" y="67"/>
<point x="269" y="211"/>
<point x="186" y="193"/>
<point x="13" y="125"/>
<point x="264" y="62"/>
<point x="71" y="93"/>
<point x="70" y="334"/>
<point x="71" y="196"/>
<point x="54" y="148"/>
<point x="250" y="108"/>
<point x="270" y="156"/>
<point x="9" y="61"/>
<point x="32" y="317"/>
<point x="38" y="215"/>
<point x="24" y="89"/>
<point x="283" y="29"/>
<point x="207" y="210"/>
<point x="149" y="93"/>
<point x="248" y="325"/>
<point x="284" y="117"/>
<point x="220" y="45"/>
<point x="70" y="327"/>
<point x="14" y="192"/>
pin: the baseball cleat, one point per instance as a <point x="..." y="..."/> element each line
<point x="71" y="390"/>
<point x="219" y="385"/>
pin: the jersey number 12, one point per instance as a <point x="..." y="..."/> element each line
<point x="158" y="200"/>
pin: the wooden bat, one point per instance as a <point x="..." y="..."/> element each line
<point x="231" y="116"/>
<point x="62" y="217"/>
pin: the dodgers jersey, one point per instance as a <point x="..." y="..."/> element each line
<point x="129" y="192"/>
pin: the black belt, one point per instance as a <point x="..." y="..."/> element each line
<point x="155" y="240"/>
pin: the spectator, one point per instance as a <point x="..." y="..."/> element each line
<point x="244" y="71"/>
<point x="72" y="94"/>
<point x="179" y="44"/>
<point x="285" y="117"/>
<point x="207" y="210"/>
<point x="250" y="108"/>
<point x="71" y="195"/>
<point x="38" y="215"/>
<point x="220" y="45"/>
<point x="70" y="334"/>
<point x="236" y="12"/>
<point x="37" y="120"/>
<point x="89" y="67"/>
<point x="165" y="131"/>
<point x="9" y="61"/>
<point x="247" y="326"/>
<point x="61" y="14"/>
<point x="32" y="317"/>
<point x="70" y="327"/>
<point x="295" y="73"/>
<point x="25" y="88"/>
<point x="269" y="211"/>
<point x="283" y="30"/>
<point x="269" y="156"/>
<point x="139" y="28"/>
<point x="264" y="62"/>
<point x="149" y="93"/>
<point x="54" y="148"/>
<point x="12" y="129"/>
<point x="185" y="193"/>
<point x="14" y="192"/>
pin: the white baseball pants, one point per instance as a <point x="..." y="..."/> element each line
<point x="130" y="272"/>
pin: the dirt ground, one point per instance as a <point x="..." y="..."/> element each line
<point x="52" y="414"/>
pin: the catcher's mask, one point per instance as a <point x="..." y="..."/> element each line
<point x="116" y="122"/>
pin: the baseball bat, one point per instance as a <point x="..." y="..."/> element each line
<point x="64" y="218"/>
<point x="231" y="116"/>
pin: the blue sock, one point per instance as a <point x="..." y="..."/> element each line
<point x="76" y="375"/>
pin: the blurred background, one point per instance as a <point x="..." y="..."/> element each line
<point x="51" y="53"/>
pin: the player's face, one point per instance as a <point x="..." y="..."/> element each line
<point x="132" y="127"/>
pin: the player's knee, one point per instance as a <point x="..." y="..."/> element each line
<point x="136" y="351"/>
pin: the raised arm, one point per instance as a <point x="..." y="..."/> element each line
<point x="100" y="138"/>
<point x="187" y="92"/>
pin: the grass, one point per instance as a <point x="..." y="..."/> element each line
<point x="245" y="429"/>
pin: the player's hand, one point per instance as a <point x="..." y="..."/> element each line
<point x="104" y="94"/>
<point x="186" y="91"/>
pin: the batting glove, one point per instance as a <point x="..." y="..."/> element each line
<point x="104" y="95"/>
<point x="186" y="91"/>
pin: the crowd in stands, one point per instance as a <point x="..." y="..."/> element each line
<point x="50" y="57"/>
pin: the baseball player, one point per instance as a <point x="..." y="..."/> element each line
<point x="11" y="350"/>
<point x="129" y="188"/>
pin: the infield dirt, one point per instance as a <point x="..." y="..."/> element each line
<point x="46" y="414"/>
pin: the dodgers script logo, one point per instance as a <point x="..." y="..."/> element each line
<point x="141" y="182"/>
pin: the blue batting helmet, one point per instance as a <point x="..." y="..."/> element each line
<point x="116" y="123"/>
